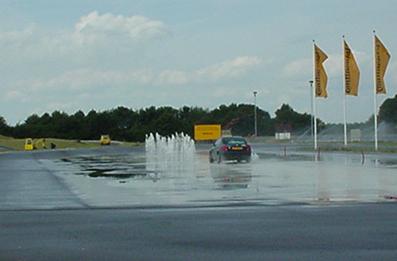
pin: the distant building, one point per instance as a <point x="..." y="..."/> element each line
<point x="227" y="132"/>
<point x="355" y="135"/>
<point x="283" y="135"/>
<point x="283" y="131"/>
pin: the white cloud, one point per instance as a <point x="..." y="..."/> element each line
<point x="91" y="33"/>
<point x="297" y="68"/>
<point x="230" y="68"/>
<point x="87" y="79"/>
<point x="81" y="80"/>
<point x="225" y="70"/>
<point x="393" y="72"/>
<point x="16" y="37"/>
<point x="11" y="95"/>
<point x="95" y="27"/>
<point x="173" y="77"/>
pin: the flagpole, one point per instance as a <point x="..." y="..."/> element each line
<point x="344" y="94"/>
<point x="375" y="99"/>
<point x="314" y="96"/>
<point x="315" y="118"/>
<point x="344" y="120"/>
<point x="311" y="108"/>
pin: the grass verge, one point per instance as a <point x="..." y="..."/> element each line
<point x="11" y="144"/>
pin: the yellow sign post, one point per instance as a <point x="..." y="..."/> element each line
<point x="207" y="132"/>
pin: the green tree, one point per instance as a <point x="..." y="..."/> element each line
<point x="4" y="128"/>
<point x="388" y="110"/>
<point x="286" y="116"/>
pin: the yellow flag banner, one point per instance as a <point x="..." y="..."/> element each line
<point x="319" y="72"/>
<point x="382" y="58"/>
<point x="352" y="73"/>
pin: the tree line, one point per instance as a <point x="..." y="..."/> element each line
<point x="127" y="124"/>
<point x="131" y="125"/>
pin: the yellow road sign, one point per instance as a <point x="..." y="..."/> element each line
<point x="207" y="132"/>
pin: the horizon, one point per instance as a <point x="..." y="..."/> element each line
<point x="272" y="114"/>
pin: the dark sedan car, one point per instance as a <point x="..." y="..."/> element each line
<point x="230" y="148"/>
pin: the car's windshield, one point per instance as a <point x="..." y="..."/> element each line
<point x="234" y="140"/>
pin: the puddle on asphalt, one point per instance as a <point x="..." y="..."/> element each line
<point x="116" y="167"/>
<point x="287" y="157"/>
<point x="389" y="163"/>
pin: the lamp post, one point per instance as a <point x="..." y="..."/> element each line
<point x="255" y="125"/>
<point x="311" y="113"/>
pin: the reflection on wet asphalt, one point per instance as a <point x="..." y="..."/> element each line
<point x="117" y="166"/>
<point x="140" y="179"/>
<point x="389" y="163"/>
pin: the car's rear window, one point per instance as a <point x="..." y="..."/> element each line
<point x="234" y="140"/>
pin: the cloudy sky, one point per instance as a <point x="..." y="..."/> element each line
<point x="97" y="54"/>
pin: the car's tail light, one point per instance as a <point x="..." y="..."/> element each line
<point x="224" y="148"/>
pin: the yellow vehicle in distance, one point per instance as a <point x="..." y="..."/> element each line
<point x="105" y="140"/>
<point x="40" y="144"/>
<point x="29" y="144"/>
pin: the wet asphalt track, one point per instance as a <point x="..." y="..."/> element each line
<point x="43" y="217"/>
